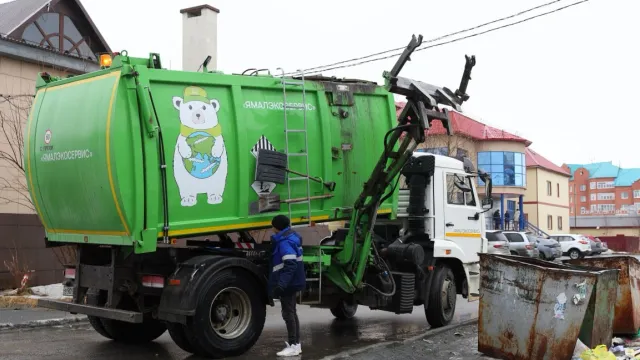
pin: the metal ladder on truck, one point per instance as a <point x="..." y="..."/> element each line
<point x="305" y="153"/>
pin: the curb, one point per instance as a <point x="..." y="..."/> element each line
<point x="428" y="334"/>
<point x="42" y="323"/>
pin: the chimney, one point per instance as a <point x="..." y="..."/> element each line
<point x="199" y="37"/>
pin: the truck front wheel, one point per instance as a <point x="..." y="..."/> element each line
<point x="344" y="310"/>
<point x="442" y="298"/>
<point x="230" y="315"/>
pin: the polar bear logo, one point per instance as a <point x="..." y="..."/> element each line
<point x="200" y="158"/>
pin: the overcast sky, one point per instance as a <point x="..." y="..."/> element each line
<point x="552" y="80"/>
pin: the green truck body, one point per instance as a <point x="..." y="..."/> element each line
<point x="122" y="161"/>
<point x="94" y="152"/>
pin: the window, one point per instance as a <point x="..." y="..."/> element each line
<point x="58" y="32"/>
<point x="549" y="188"/>
<point x="592" y="185"/>
<point x="558" y="189"/>
<point x="605" y="185"/>
<point x="606" y="208"/>
<point x="583" y="187"/>
<point x="583" y="198"/>
<point x="606" y="196"/>
<point x="636" y="194"/>
<point x="571" y="189"/>
<point x="549" y="222"/>
<point x="624" y="195"/>
<point x="455" y="196"/>
<point x="583" y="210"/>
<point x="594" y="208"/>
<point x="506" y="168"/>
<point x="514" y="237"/>
<point x="593" y="197"/>
<point x="559" y="222"/>
<point x="571" y="210"/>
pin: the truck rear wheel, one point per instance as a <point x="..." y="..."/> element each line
<point x="179" y="336"/>
<point x="344" y="311"/>
<point x="131" y="333"/>
<point x="93" y="298"/>
<point x="442" y="298"/>
<point x="230" y="315"/>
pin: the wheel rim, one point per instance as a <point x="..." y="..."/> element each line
<point x="230" y="313"/>
<point x="574" y="255"/>
<point x="448" y="297"/>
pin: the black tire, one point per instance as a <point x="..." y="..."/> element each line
<point x="205" y="340"/>
<point x="179" y="336"/>
<point x="440" y="311"/>
<point x="514" y="253"/>
<point x="344" y="311"/>
<point x="574" y="254"/>
<point x="93" y="298"/>
<point x="542" y="256"/>
<point x="130" y="333"/>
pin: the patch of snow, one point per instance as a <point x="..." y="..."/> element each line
<point x="53" y="291"/>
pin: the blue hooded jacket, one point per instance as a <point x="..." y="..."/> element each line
<point x="287" y="268"/>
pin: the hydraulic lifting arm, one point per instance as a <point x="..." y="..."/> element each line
<point x="421" y="109"/>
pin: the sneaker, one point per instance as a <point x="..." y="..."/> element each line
<point x="290" y="350"/>
<point x="299" y="348"/>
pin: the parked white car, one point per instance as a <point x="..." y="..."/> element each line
<point x="573" y="245"/>
<point x="498" y="243"/>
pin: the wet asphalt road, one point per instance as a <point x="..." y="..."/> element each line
<point x="322" y="335"/>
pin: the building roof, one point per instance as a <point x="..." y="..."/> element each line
<point x="606" y="169"/>
<point x="626" y="177"/>
<point x="597" y="170"/>
<point x="17" y="12"/>
<point x="534" y="160"/>
<point x="14" y="13"/>
<point x="466" y="126"/>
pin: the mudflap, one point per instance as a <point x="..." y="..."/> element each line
<point x="179" y="297"/>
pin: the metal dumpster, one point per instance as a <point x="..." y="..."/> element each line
<point x="627" y="306"/>
<point x="534" y="309"/>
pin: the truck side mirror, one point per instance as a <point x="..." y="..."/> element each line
<point x="487" y="203"/>
<point x="462" y="186"/>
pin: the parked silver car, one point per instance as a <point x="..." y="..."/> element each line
<point x="549" y="249"/>
<point x="498" y="243"/>
<point x="520" y="244"/>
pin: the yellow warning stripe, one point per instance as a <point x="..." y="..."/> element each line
<point x="463" y="234"/>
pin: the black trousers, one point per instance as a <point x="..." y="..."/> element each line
<point x="290" y="317"/>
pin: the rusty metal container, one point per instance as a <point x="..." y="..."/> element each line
<point x="533" y="309"/>
<point x="627" y="306"/>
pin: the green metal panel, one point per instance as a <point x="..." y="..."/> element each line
<point x="111" y="190"/>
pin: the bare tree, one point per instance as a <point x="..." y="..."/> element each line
<point x="14" y="111"/>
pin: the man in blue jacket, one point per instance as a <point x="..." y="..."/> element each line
<point x="287" y="278"/>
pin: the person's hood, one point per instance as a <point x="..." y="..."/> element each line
<point x="280" y="236"/>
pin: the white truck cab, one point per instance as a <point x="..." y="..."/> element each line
<point x="453" y="220"/>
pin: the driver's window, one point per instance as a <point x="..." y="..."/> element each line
<point x="455" y="196"/>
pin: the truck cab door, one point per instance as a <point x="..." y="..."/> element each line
<point x="462" y="226"/>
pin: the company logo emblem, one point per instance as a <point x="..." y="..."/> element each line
<point x="47" y="137"/>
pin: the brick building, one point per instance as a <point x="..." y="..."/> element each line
<point x="604" y="198"/>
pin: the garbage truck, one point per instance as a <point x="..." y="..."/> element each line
<point x="157" y="178"/>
